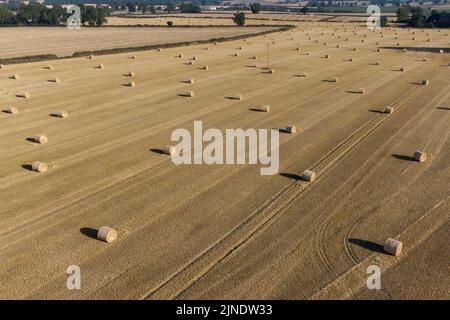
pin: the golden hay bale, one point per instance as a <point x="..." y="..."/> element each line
<point x="91" y="57"/>
<point x="424" y="59"/>
<point x="338" y="46"/>
<point x="25" y="95"/>
<point x="402" y="69"/>
<point x="191" y="62"/>
<point x="240" y="48"/>
<point x="2" y="66"/>
<point x="216" y="43"/>
<point x="425" y="82"/>
<point x="392" y="246"/>
<point x="388" y="110"/>
<point x="40" y="138"/>
<point x="428" y="40"/>
<point x="271" y="71"/>
<point x="237" y="96"/>
<point x="441" y="51"/>
<point x="180" y="55"/>
<point x="131" y="84"/>
<point x="420" y="156"/>
<point x="159" y="49"/>
<point x="39" y="166"/>
<point x="264" y="108"/>
<point x="56" y="80"/>
<point x="106" y="234"/>
<point x="405" y="50"/>
<point x="378" y="50"/>
<point x="350" y="59"/>
<point x="62" y="114"/>
<point x="100" y="66"/>
<point x="12" y="110"/>
<point x="360" y="91"/>
<point x="334" y="79"/>
<point x="327" y="56"/>
<point x="236" y="55"/>
<point x="190" y="80"/>
<point x="377" y="63"/>
<point x="308" y="175"/>
<point x="131" y="74"/>
<point x="256" y="65"/>
<point x="303" y="74"/>
<point x="15" y="76"/>
<point x="189" y="94"/>
<point x="205" y="67"/>
<point x="291" y="129"/>
<point x="169" y="150"/>
<point x="194" y="58"/>
<point x="297" y="49"/>
<point x="255" y="57"/>
<point x="49" y="67"/>
<point x="133" y="57"/>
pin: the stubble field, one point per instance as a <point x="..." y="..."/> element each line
<point x="225" y="231"/>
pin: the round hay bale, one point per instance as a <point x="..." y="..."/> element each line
<point x="327" y="56"/>
<point x="393" y="247"/>
<point x="131" y="84"/>
<point x="55" y="80"/>
<point x="424" y="59"/>
<point x="237" y="96"/>
<point x="25" y="95"/>
<point x="255" y="57"/>
<point x="190" y="80"/>
<point x="180" y="55"/>
<point x="40" y="138"/>
<point x="334" y="79"/>
<point x="338" y="46"/>
<point x="291" y="129"/>
<point x="350" y="59"/>
<point x="402" y="69"/>
<point x="425" y="82"/>
<point x="191" y="62"/>
<point x="377" y="63"/>
<point x="106" y="234"/>
<point x="405" y="50"/>
<point x="441" y="51"/>
<point x="256" y="65"/>
<point x="388" y="110"/>
<point x="12" y="110"/>
<point x="62" y="114"/>
<point x="271" y="71"/>
<point x="264" y="108"/>
<point x="131" y="74"/>
<point x="169" y="150"/>
<point x="49" y="67"/>
<point x="91" y="57"/>
<point x="205" y="67"/>
<point x="303" y="74"/>
<point x="420" y="156"/>
<point x="236" y="55"/>
<point x="194" y="58"/>
<point x="361" y="91"/>
<point x="39" y="166"/>
<point x="2" y="66"/>
<point x="378" y="50"/>
<point x="159" y="49"/>
<point x="308" y="175"/>
<point x="133" y="57"/>
<point x="15" y="76"/>
<point x="100" y="66"/>
<point x="189" y="94"/>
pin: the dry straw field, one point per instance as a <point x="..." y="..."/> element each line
<point x="225" y="231"/>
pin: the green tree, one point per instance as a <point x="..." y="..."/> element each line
<point x="239" y="19"/>
<point x="403" y="13"/>
<point x="152" y="9"/>
<point x="383" y="21"/>
<point x="143" y="6"/>
<point x="6" y="16"/>
<point x="255" y="7"/>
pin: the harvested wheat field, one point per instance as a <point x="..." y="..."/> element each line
<point x="348" y="177"/>
<point x="20" y="42"/>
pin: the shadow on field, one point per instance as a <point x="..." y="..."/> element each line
<point x="28" y="167"/>
<point x="158" y="151"/>
<point x="369" y="245"/>
<point x="290" y="175"/>
<point x="436" y="50"/>
<point x="375" y="111"/>
<point x="403" y="157"/>
<point x="89" y="232"/>
<point x="443" y="108"/>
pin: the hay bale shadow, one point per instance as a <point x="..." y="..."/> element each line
<point x="89" y="232"/>
<point x="403" y="157"/>
<point x="28" y="167"/>
<point x="443" y="108"/>
<point x="369" y="245"/>
<point x="31" y="140"/>
<point x="158" y="151"/>
<point x="255" y="110"/>
<point x="375" y="111"/>
<point x="290" y="175"/>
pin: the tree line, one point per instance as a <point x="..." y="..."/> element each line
<point x="36" y="14"/>
<point x="415" y="17"/>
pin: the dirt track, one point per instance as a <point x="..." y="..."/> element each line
<point x="225" y="231"/>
